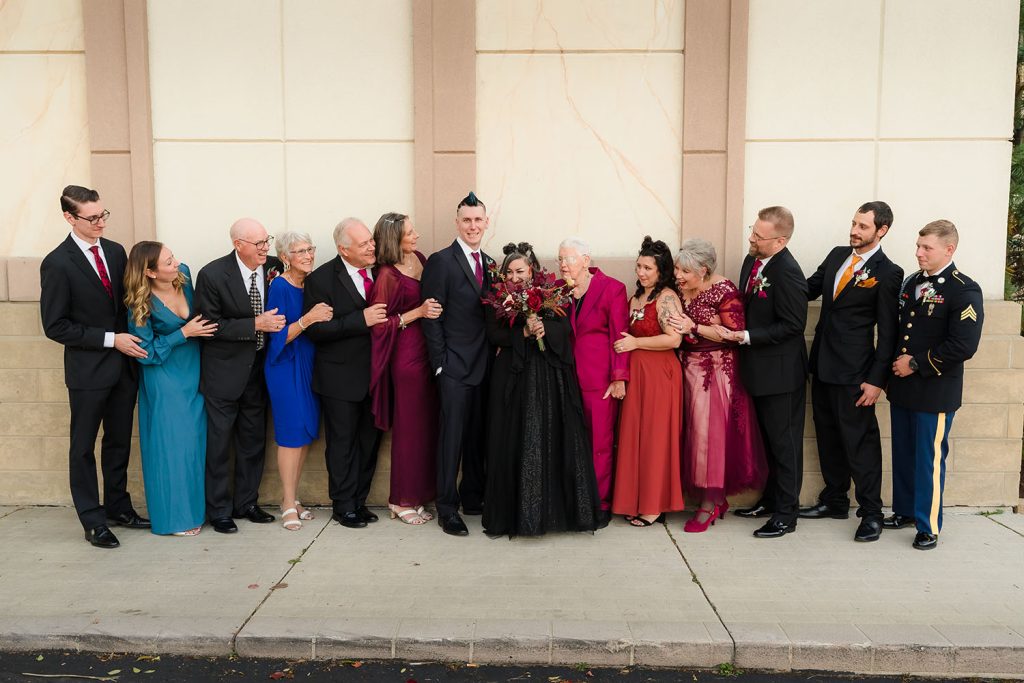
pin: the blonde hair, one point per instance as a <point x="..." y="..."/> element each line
<point x="137" y="287"/>
<point x="943" y="229"/>
<point x="780" y="217"/>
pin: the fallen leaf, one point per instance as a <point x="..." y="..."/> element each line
<point x="472" y="666"/>
<point x="39" y="658"/>
<point x="278" y="585"/>
<point x="113" y="672"/>
<point x="136" y="670"/>
<point x="403" y="671"/>
<point x="254" y="585"/>
<point x="148" y="658"/>
<point x="277" y="675"/>
<point x="356" y="665"/>
<point x="149" y="671"/>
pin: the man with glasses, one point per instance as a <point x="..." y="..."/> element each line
<point x="82" y="307"/>
<point x="231" y="292"/>
<point x="773" y="363"/>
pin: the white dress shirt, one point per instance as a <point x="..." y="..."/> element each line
<point x="108" y="337"/>
<point x="468" y="251"/>
<point x="353" y="273"/>
<point x="247" y="278"/>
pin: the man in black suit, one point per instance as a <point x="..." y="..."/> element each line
<point x="773" y="363"/>
<point x="941" y="315"/>
<point x="82" y="307"/>
<point x="859" y="289"/>
<point x="341" y="370"/>
<point x="457" y="276"/>
<point x="231" y="292"/>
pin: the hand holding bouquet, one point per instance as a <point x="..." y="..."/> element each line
<point x="520" y="300"/>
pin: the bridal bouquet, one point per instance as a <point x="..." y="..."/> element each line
<point x="519" y="300"/>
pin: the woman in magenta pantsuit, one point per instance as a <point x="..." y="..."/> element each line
<point x="403" y="396"/>
<point x="599" y="315"/>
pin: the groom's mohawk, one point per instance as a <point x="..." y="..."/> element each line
<point x="471" y="200"/>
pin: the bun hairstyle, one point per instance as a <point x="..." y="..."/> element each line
<point x="523" y="250"/>
<point x="662" y="255"/>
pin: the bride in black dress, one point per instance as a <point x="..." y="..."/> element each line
<point x="540" y="476"/>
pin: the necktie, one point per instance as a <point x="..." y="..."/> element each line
<point x="257" y="307"/>
<point x="846" y="276"/>
<point x="102" y="270"/>
<point x="367" y="283"/>
<point x="478" y="269"/>
<point x="753" y="275"/>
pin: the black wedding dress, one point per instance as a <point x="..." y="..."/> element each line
<point x="540" y="475"/>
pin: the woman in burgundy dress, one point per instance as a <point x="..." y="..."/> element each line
<point x="722" y="453"/>
<point x="403" y="396"/>
<point x="648" y="480"/>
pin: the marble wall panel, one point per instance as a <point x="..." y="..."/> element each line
<point x="202" y="188"/>
<point x="573" y="25"/>
<point x="822" y="183"/>
<point x="348" y="69"/>
<point x="215" y="69"/>
<point x="580" y="143"/>
<point x="966" y="182"/>
<point x="329" y="181"/>
<point x="44" y="141"/>
<point x="812" y="69"/>
<point x="948" y="68"/>
<point x="41" y="25"/>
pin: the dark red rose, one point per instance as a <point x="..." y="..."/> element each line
<point x="534" y="301"/>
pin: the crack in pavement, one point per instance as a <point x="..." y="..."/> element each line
<point x="991" y="518"/>
<point x="11" y="511"/>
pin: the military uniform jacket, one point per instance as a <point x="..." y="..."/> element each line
<point x="941" y="330"/>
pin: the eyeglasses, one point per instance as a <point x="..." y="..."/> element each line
<point x="308" y="251"/>
<point x="93" y="220"/>
<point x="758" y="238"/>
<point x="262" y="244"/>
<point x="571" y="260"/>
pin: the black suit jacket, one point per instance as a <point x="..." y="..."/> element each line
<point x="775" y="362"/>
<point x="844" y="350"/>
<point x="940" y="331"/>
<point x="77" y="312"/>
<point x="456" y="341"/>
<point x="228" y="356"/>
<point x="341" y="368"/>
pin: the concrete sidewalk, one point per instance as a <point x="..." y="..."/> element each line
<point x="624" y="596"/>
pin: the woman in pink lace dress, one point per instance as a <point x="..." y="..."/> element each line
<point x="722" y="450"/>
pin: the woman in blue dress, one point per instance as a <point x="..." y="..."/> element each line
<point x="289" y="371"/>
<point x="172" y="417"/>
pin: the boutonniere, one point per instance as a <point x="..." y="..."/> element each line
<point x="492" y="270"/>
<point x="635" y="315"/>
<point x="272" y="272"/>
<point x="928" y="291"/>
<point x="862" y="275"/>
<point x="759" y="285"/>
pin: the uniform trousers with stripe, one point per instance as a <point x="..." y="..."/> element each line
<point x="920" y="443"/>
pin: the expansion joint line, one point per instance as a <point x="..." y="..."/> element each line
<point x="270" y="591"/>
<point x="992" y="518"/>
<point x="693" y="577"/>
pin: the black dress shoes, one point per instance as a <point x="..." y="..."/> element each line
<point x="754" y="512"/>
<point x="130" y="519"/>
<point x="453" y="524"/>
<point x="869" y="530"/>
<point x="925" y="541"/>
<point x="775" y="528"/>
<point x="351" y="519"/>
<point x="604" y="517"/>
<point x="102" y="537"/>
<point x="255" y="514"/>
<point x="473" y="510"/>
<point x="365" y="515"/>
<point x="224" y="525"/>
<point x="823" y="511"/>
<point x="897" y="522"/>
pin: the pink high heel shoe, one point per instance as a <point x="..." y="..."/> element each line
<point x="693" y="526"/>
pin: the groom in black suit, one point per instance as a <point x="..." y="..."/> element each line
<point x="859" y="288"/>
<point x="82" y="307"/>
<point x="773" y="363"/>
<point x="457" y="276"/>
<point x="231" y="291"/>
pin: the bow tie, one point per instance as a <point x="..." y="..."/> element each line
<point x="922" y="278"/>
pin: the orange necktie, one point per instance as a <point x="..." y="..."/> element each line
<point x="847" y="275"/>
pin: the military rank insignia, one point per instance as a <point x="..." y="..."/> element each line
<point x="969" y="314"/>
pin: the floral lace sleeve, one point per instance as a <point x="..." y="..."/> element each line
<point x="730" y="309"/>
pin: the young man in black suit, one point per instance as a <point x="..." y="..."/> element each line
<point x="859" y="289"/>
<point x="231" y="291"/>
<point x="773" y="363"/>
<point x="82" y="307"/>
<point x="457" y="276"/>
<point x="341" y="370"/>
<point x="941" y="315"/>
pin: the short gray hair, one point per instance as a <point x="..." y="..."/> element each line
<point x="341" y="231"/>
<point x="287" y="240"/>
<point x="581" y="246"/>
<point x="697" y="253"/>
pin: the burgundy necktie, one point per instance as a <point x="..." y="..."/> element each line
<point x="367" y="283"/>
<point x="478" y="269"/>
<point x="102" y="270"/>
<point x="753" y="275"/>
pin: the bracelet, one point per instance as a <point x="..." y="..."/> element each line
<point x="301" y="326"/>
<point x="401" y="322"/>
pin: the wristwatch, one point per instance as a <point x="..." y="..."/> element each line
<point x="913" y="364"/>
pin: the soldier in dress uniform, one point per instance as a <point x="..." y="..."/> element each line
<point x="941" y="314"/>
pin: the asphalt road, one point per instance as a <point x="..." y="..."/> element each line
<point x="42" y="667"/>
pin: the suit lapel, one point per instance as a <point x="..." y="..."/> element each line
<point x="593" y="294"/>
<point x="868" y="265"/>
<point x="82" y="262"/>
<point x="463" y="262"/>
<point x="341" y="272"/>
<point x="235" y="284"/>
<point x="748" y="263"/>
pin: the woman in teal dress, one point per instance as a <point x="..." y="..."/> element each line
<point x="172" y="417"/>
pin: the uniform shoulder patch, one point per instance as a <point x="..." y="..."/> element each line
<point x="969" y="313"/>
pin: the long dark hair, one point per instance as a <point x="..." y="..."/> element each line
<point x="662" y="256"/>
<point x="523" y="250"/>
